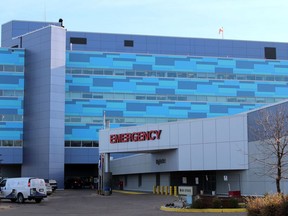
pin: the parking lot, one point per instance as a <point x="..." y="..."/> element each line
<point x="88" y="202"/>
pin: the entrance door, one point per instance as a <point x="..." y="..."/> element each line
<point x="209" y="183"/>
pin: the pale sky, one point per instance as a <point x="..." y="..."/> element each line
<point x="257" y="20"/>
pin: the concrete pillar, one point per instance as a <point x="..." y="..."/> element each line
<point x="107" y="162"/>
<point x="44" y="103"/>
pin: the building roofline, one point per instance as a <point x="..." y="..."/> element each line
<point x="265" y="106"/>
<point x="31" y="32"/>
<point x="180" y="37"/>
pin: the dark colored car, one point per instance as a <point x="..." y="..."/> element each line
<point x="73" y="183"/>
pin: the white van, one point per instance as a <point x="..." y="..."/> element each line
<point x="21" y="189"/>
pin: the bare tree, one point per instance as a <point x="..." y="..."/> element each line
<point x="271" y="133"/>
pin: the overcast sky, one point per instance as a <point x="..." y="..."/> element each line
<point x="260" y="20"/>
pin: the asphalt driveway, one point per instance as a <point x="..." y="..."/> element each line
<point x="88" y="202"/>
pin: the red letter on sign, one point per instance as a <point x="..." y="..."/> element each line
<point x="112" y="138"/>
<point x="158" y="133"/>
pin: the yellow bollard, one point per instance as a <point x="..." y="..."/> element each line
<point x="175" y="190"/>
<point x="158" y="189"/>
<point x="166" y="190"/>
<point x="154" y="189"/>
<point x="162" y="190"/>
<point x="171" y="191"/>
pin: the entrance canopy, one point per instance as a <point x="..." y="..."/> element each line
<point x="199" y="144"/>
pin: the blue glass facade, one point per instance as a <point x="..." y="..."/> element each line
<point x="139" y="88"/>
<point x="11" y="105"/>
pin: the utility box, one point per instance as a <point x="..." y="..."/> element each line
<point x="187" y="190"/>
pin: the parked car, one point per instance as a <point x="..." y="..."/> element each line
<point x="21" y="189"/>
<point x="53" y="183"/>
<point x="74" y="183"/>
<point x="48" y="187"/>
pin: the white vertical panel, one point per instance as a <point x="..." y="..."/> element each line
<point x="237" y="128"/>
<point x="238" y="155"/>
<point x="209" y="131"/>
<point x="222" y="129"/>
<point x="223" y="155"/>
<point x="184" y="157"/>
<point x="184" y="133"/>
<point x="197" y="160"/>
<point x="196" y="132"/>
<point x="210" y="159"/>
<point x="174" y="137"/>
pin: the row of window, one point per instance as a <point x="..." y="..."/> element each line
<point x="11" y="68"/>
<point x="155" y="97"/>
<point x="83" y="41"/>
<point x="269" y="52"/>
<point x="9" y="117"/>
<point x="71" y="143"/>
<point x="117" y="120"/>
<point x="11" y="143"/>
<point x="11" y="93"/>
<point x="19" y="143"/>
<point x="174" y="74"/>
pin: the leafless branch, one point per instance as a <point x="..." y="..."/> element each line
<point x="271" y="131"/>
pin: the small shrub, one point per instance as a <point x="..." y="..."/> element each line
<point x="216" y="203"/>
<point x="269" y="205"/>
<point x="233" y="203"/>
<point x="283" y="209"/>
<point x="254" y="205"/>
<point x="198" y="204"/>
<point x="269" y="210"/>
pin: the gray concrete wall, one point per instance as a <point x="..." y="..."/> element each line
<point x="145" y="163"/>
<point x="255" y="181"/>
<point x="13" y="29"/>
<point x="148" y="181"/>
<point x="44" y="104"/>
<point x="229" y="181"/>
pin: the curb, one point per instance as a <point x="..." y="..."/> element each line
<point x="128" y="192"/>
<point x="236" y="210"/>
<point x="4" y="207"/>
